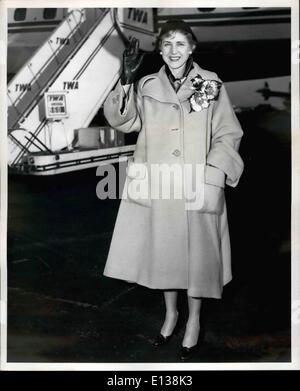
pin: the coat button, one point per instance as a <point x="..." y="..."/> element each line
<point x="176" y="152"/>
<point x="174" y="129"/>
<point x="176" y="107"/>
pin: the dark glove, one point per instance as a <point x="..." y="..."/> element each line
<point x="132" y="60"/>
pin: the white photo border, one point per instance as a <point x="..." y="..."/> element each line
<point x="295" y="215"/>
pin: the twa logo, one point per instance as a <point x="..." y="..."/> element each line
<point x="71" y="85"/>
<point x="137" y="15"/>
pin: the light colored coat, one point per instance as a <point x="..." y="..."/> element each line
<point x="165" y="246"/>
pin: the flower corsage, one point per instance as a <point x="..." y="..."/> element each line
<point x="205" y="92"/>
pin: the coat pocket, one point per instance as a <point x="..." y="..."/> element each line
<point x="214" y="197"/>
<point x="136" y="187"/>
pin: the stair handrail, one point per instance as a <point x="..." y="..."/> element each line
<point x="49" y="59"/>
<point x="47" y="85"/>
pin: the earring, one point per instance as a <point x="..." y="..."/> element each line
<point x="160" y="52"/>
<point x="190" y="52"/>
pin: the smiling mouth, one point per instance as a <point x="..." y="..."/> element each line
<point x="175" y="58"/>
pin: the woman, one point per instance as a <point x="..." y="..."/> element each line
<point x="184" y="117"/>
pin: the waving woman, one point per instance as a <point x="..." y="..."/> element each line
<point x="184" y="119"/>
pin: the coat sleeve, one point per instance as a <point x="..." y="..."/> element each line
<point x="123" y="110"/>
<point x="226" y="138"/>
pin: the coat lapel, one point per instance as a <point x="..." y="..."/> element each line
<point x="161" y="89"/>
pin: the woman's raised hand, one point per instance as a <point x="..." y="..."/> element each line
<point x="132" y="59"/>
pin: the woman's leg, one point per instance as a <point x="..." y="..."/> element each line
<point x="193" y="324"/>
<point x="171" y="313"/>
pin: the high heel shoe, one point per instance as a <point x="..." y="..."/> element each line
<point x="160" y="339"/>
<point x="186" y="353"/>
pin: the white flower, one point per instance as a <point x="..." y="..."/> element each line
<point x="210" y="88"/>
<point x="205" y="91"/>
<point x="194" y="105"/>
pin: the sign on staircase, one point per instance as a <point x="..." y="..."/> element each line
<point x="55" y="105"/>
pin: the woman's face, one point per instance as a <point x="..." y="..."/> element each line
<point x="175" y="49"/>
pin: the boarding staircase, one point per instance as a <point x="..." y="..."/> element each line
<point x="82" y="59"/>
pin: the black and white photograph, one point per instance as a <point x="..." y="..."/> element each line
<point x="150" y="185"/>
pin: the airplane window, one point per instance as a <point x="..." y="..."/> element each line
<point x="49" y="13"/>
<point x="20" y="14"/>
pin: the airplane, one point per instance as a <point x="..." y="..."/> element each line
<point x="267" y="92"/>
